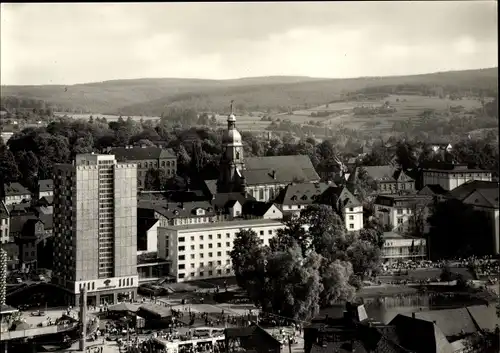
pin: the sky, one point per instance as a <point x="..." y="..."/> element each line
<point x="92" y="42"/>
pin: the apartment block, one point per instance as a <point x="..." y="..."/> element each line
<point x="95" y="228"/>
<point x="201" y="251"/>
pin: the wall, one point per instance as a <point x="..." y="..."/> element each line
<point x="105" y="284"/>
<point x="192" y="250"/>
<point x="356" y="213"/>
<point x="4" y="230"/>
<point x="450" y="181"/>
<point x="86" y="223"/>
<point x="399" y="248"/>
<point x="15" y="199"/>
<point x="265" y="192"/>
<point x="125" y="219"/>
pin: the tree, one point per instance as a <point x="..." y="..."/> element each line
<point x="155" y="179"/>
<point x="364" y="256"/>
<point x="247" y="258"/>
<point x="335" y="278"/>
<point x="8" y="165"/>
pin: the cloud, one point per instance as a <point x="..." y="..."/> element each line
<point x="84" y="42"/>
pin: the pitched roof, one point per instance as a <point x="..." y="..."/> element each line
<point x="211" y="185"/>
<point x="4" y="212"/>
<point x="385" y="173"/>
<point x="45" y="185"/>
<point x="279" y="170"/>
<point x="301" y="193"/>
<point x="223" y="199"/>
<point x="463" y="191"/>
<point x="333" y="193"/>
<point x="452" y="322"/>
<point x="484" y="316"/>
<point x="49" y="200"/>
<point x="420" y="336"/>
<point x="17" y="223"/>
<point x="432" y="189"/>
<point x="172" y="210"/>
<point x="16" y="189"/>
<point x="256" y="208"/>
<point x="141" y="153"/>
<point x="483" y="198"/>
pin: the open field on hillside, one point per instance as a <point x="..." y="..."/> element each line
<point x="245" y="122"/>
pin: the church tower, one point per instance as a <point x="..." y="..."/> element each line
<point x="232" y="164"/>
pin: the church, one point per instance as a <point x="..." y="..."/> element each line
<point x="261" y="177"/>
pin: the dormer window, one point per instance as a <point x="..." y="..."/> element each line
<point x="294" y="197"/>
<point x="200" y="211"/>
<point x="304" y="197"/>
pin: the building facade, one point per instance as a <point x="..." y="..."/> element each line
<point x="45" y="188"/>
<point x="387" y="179"/>
<point x="400" y="248"/>
<point x="95" y="228"/>
<point x="403" y="213"/>
<point x="451" y="178"/>
<point x="16" y="193"/>
<point x="203" y="251"/>
<point x="4" y="224"/>
<point x="147" y="158"/>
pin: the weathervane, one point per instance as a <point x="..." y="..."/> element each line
<point x="232" y="101"/>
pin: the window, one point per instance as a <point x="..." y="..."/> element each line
<point x="192" y="237"/>
<point x="202" y="264"/>
<point x="261" y="232"/>
<point x="192" y="274"/>
<point x="219" y="245"/>
<point x="192" y="265"/>
<point x="261" y="194"/>
<point x="210" y="246"/>
<point x="192" y="247"/>
<point x="210" y="264"/>
<point x="351" y="218"/>
<point x="219" y="253"/>
<point x="210" y="273"/>
<point x="351" y="209"/>
<point x="351" y="226"/>
<point x="192" y="256"/>
<point x="182" y="267"/>
<point x="228" y="235"/>
<point x="228" y="253"/>
<point x="182" y="257"/>
<point x="228" y="262"/>
<point x="202" y="255"/>
<point x="201" y="246"/>
<point x="228" y="270"/>
<point x="400" y="211"/>
<point x="201" y="237"/>
<point x="228" y="244"/>
<point x="270" y="232"/>
<point x="182" y="248"/>
<point x="400" y="220"/>
<point x="181" y="275"/>
<point x="210" y="237"/>
<point x="219" y="262"/>
<point x="210" y="254"/>
<point x="202" y="274"/>
<point x="182" y="239"/>
<point x="219" y="272"/>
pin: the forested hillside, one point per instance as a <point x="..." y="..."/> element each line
<point x="277" y="94"/>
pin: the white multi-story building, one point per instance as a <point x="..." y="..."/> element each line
<point x="402" y="212"/>
<point x="452" y="178"/>
<point x="201" y="251"/>
<point x="297" y="197"/>
<point x="95" y="228"/>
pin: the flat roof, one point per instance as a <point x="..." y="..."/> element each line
<point x="226" y="225"/>
<point x="457" y="170"/>
<point x="394" y="235"/>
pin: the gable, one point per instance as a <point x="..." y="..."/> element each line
<point x="477" y="198"/>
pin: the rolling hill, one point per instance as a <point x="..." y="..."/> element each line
<point x="153" y="96"/>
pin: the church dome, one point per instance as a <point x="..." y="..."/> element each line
<point x="231" y="118"/>
<point x="231" y="136"/>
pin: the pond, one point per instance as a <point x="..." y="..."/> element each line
<point x="384" y="309"/>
